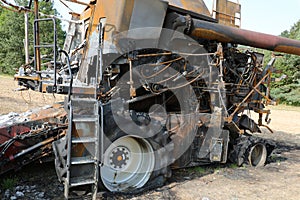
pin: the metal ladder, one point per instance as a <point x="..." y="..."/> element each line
<point x="38" y="46"/>
<point x="85" y="132"/>
<point x="83" y="145"/>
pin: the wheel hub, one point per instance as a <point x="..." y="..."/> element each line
<point x="128" y="164"/>
<point x="119" y="158"/>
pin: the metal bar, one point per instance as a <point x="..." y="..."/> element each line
<point x="229" y="16"/>
<point x="45" y="46"/>
<point x="99" y="72"/>
<point x="44" y="19"/>
<point x="55" y="54"/>
<point x="132" y="91"/>
<point x="26" y="41"/>
<point x="267" y="98"/>
<point x="37" y="53"/>
<point x="78" y="2"/>
<point x="37" y="46"/>
<point x="246" y="98"/>
<point x="71" y="76"/>
<point x="227" y="34"/>
<point x="155" y="54"/>
<point x="97" y="150"/>
<point x="69" y="143"/>
<point x="102" y="23"/>
<point x="38" y="145"/>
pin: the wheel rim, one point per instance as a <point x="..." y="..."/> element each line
<point x="257" y="155"/>
<point x="128" y="164"/>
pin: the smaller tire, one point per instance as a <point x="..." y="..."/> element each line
<point x="257" y="155"/>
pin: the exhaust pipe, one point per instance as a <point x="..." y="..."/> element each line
<point x="227" y="34"/>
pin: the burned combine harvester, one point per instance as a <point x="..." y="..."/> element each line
<point x="159" y="85"/>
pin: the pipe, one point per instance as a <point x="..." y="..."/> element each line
<point x="70" y="73"/>
<point x="37" y="52"/>
<point x="227" y="34"/>
<point x="26" y="40"/>
<point x="36" y="146"/>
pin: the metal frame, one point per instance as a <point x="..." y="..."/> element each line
<point x="37" y="46"/>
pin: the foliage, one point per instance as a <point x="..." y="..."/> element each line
<point x="289" y="94"/>
<point x="12" y="29"/>
<point x="233" y="166"/>
<point x="9" y="183"/>
<point x="10" y="42"/>
<point x="197" y="170"/>
<point x="288" y="90"/>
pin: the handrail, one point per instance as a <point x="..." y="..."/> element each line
<point x="70" y="72"/>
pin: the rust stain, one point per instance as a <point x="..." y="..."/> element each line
<point x="288" y="49"/>
<point x="194" y="6"/>
<point x="210" y="35"/>
<point x="222" y="33"/>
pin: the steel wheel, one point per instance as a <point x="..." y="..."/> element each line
<point x="257" y="155"/>
<point x="128" y="164"/>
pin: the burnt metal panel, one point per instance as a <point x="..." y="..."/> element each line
<point x="118" y="14"/>
<point x="193" y="6"/>
<point x="147" y="14"/>
<point x="228" y="13"/>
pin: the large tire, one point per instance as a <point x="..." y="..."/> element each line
<point x="132" y="163"/>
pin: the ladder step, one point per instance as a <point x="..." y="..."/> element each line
<point x="84" y="100"/>
<point x="76" y="140"/>
<point x="45" y="46"/>
<point x="81" y="181"/>
<point x="82" y="160"/>
<point x="88" y="90"/>
<point x="85" y="119"/>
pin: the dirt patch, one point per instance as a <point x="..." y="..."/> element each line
<point x="283" y="118"/>
<point x="279" y="179"/>
<point x="12" y="100"/>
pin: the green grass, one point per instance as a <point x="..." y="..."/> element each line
<point x="233" y="166"/>
<point x="9" y="183"/>
<point x="200" y="170"/>
<point x="197" y="170"/>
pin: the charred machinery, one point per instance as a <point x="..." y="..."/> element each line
<point x="158" y="85"/>
<point x="28" y="136"/>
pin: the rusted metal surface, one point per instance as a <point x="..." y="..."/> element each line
<point x="195" y="6"/>
<point x="226" y="34"/>
<point x="37" y="51"/>
<point x="118" y="18"/>
<point x="228" y="13"/>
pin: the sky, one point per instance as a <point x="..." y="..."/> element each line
<point x="270" y="16"/>
<point x="266" y="16"/>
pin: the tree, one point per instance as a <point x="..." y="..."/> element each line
<point x="288" y="90"/>
<point x="12" y="54"/>
<point x="11" y="43"/>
